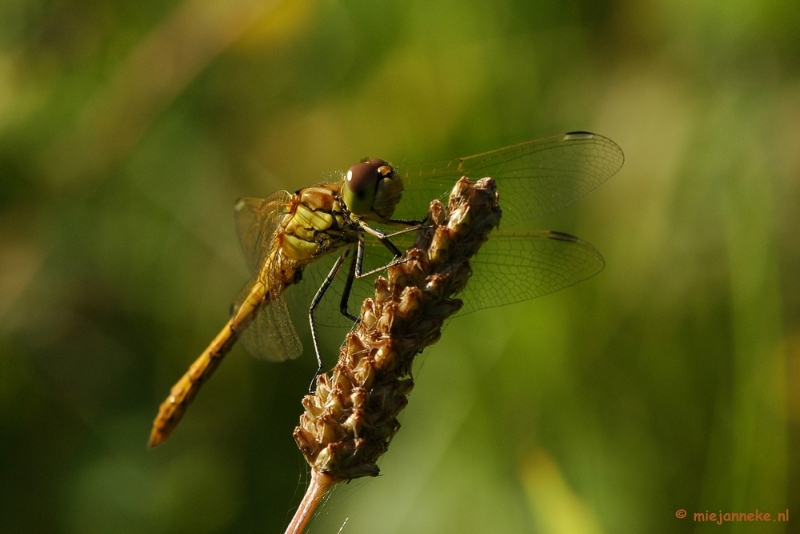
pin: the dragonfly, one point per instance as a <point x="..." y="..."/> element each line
<point x="369" y="215"/>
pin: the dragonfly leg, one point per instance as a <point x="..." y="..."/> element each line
<point x="315" y="303"/>
<point x="414" y="228"/>
<point x="384" y="239"/>
<point x="348" y="284"/>
<point x="405" y="222"/>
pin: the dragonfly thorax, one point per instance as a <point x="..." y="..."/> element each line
<point x="316" y="224"/>
<point x="372" y="189"/>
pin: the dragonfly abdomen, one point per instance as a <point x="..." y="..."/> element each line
<point x="184" y="391"/>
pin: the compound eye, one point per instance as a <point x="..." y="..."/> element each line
<point x="384" y="169"/>
<point x="360" y="183"/>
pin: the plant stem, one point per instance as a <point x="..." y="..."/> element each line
<point x="319" y="486"/>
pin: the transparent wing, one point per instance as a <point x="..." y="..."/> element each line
<point x="271" y="335"/>
<point x="533" y="178"/>
<point x="256" y="220"/>
<point x="513" y="266"/>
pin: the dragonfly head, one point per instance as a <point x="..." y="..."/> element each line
<point x="372" y="189"/>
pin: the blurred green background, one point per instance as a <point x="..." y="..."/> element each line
<point x="128" y="129"/>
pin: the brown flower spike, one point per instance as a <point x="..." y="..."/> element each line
<point x="352" y="416"/>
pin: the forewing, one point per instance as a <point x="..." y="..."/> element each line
<point x="257" y="219"/>
<point x="513" y="266"/>
<point x="533" y="178"/>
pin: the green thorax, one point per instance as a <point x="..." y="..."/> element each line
<point x="317" y="223"/>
